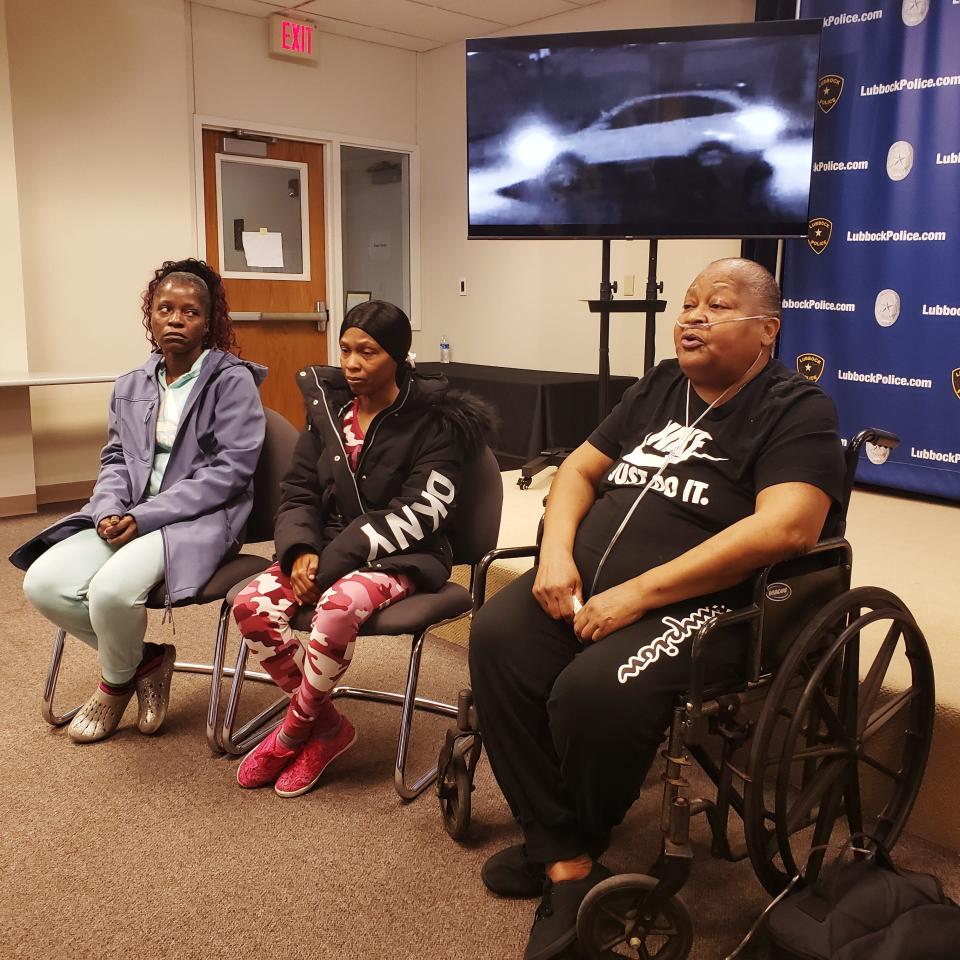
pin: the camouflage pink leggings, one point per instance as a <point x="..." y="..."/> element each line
<point x="308" y="672"/>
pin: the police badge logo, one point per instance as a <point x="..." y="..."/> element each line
<point x="886" y="308"/>
<point x="819" y="231"/>
<point x="810" y="365"/>
<point x="956" y="382"/>
<point x="914" y="12"/>
<point x="829" y="89"/>
<point x="899" y="160"/>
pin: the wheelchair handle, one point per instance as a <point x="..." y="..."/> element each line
<point x="881" y="438"/>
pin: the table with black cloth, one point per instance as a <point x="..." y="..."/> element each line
<point x="538" y="409"/>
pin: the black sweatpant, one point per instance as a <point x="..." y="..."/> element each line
<point x="571" y="729"/>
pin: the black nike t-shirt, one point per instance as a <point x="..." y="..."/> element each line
<point x="779" y="428"/>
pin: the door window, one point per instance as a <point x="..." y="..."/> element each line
<point x="375" y="217"/>
<point x="263" y="218"/>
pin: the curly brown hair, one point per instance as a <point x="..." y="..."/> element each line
<point x="220" y="333"/>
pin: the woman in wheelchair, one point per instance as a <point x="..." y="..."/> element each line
<point x="713" y="465"/>
<point x="361" y="525"/>
<point x="170" y="502"/>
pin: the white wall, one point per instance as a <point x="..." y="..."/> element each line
<point x="103" y="103"/>
<point x="360" y="89"/>
<point x="16" y="440"/>
<point x="12" y="327"/>
<point x="522" y="307"/>
<point x="101" y="118"/>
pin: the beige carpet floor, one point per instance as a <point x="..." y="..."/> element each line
<point x="147" y="848"/>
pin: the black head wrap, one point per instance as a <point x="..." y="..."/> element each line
<point x="387" y="324"/>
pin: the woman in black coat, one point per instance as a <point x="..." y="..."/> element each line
<point x="362" y="524"/>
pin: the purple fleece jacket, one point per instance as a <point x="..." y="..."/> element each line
<point x="207" y="490"/>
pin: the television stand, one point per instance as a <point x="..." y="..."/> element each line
<point x="650" y="306"/>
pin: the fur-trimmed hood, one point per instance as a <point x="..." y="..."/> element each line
<point x="472" y="421"/>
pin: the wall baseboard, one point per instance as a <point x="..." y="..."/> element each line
<point x="64" y="492"/>
<point x="49" y="493"/>
<point x="18" y="506"/>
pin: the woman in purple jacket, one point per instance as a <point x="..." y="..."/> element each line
<point x="170" y="502"/>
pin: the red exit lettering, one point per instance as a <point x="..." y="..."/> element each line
<point x="296" y="37"/>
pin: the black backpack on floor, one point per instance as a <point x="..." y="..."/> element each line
<point x="866" y="909"/>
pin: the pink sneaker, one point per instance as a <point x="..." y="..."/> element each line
<point x="264" y="763"/>
<point x="314" y="757"/>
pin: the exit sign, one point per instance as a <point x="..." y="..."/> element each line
<point x="293" y="39"/>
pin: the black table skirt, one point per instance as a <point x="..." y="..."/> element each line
<point x="538" y="409"/>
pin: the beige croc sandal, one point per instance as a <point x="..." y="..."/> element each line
<point x="99" y="716"/>
<point x="153" y="692"/>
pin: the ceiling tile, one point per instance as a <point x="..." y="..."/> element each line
<point x="403" y="17"/>
<point x="507" y="12"/>
<point x="255" y="8"/>
<point x="373" y="34"/>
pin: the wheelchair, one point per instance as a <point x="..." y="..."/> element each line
<point x="826" y="735"/>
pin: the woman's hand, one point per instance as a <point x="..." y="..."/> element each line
<point x="557" y="583"/>
<point x="609" y="611"/>
<point x="121" y="532"/>
<point x="302" y="578"/>
<point x="105" y="525"/>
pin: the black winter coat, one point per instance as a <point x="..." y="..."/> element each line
<point x="392" y="515"/>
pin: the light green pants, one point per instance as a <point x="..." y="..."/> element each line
<point x="97" y="593"/>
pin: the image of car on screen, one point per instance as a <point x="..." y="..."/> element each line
<point x="705" y="130"/>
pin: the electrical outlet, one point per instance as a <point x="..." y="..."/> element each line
<point x="628" y="284"/>
<point x="462" y="289"/>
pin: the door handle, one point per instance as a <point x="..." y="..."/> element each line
<point x="319" y="317"/>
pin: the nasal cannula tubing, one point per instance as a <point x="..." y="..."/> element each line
<point x="695" y="324"/>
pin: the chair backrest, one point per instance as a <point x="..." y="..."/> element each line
<point x="476" y="524"/>
<point x="275" y="458"/>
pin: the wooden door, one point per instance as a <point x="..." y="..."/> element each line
<point x="282" y="345"/>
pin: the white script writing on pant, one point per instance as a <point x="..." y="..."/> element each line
<point x="677" y="631"/>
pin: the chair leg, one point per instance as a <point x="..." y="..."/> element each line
<point x="251" y="733"/>
<point x="409" y="703"/>
<point x="409" y="792"/>
<point x="216" y="678"/>
<point x="50" y="688"/>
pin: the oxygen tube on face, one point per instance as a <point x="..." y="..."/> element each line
<point x="688" y="429"/>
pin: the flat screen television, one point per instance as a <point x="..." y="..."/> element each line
<point x="681" y="132"/>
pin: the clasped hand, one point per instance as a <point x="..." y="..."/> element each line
<point x="303" y="578"/>
<point x="117" y="530"/>
<point x="558" y="582"/>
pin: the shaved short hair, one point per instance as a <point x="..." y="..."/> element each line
<point x="758" y="280"/>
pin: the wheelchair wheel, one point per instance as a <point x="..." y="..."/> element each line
<point x="843" y="737"/>
<point x="454" y="785"/>
<point x="610" y="922"/>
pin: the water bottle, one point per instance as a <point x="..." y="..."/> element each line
<point x="444" y="349"/>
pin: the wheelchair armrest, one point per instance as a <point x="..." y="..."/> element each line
<point x="702" y="637"/>
<point x="501" y="553"/>
<point x="783" y="569"/>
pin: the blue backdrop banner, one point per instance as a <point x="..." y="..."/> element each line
<point x="872" y="296"/>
